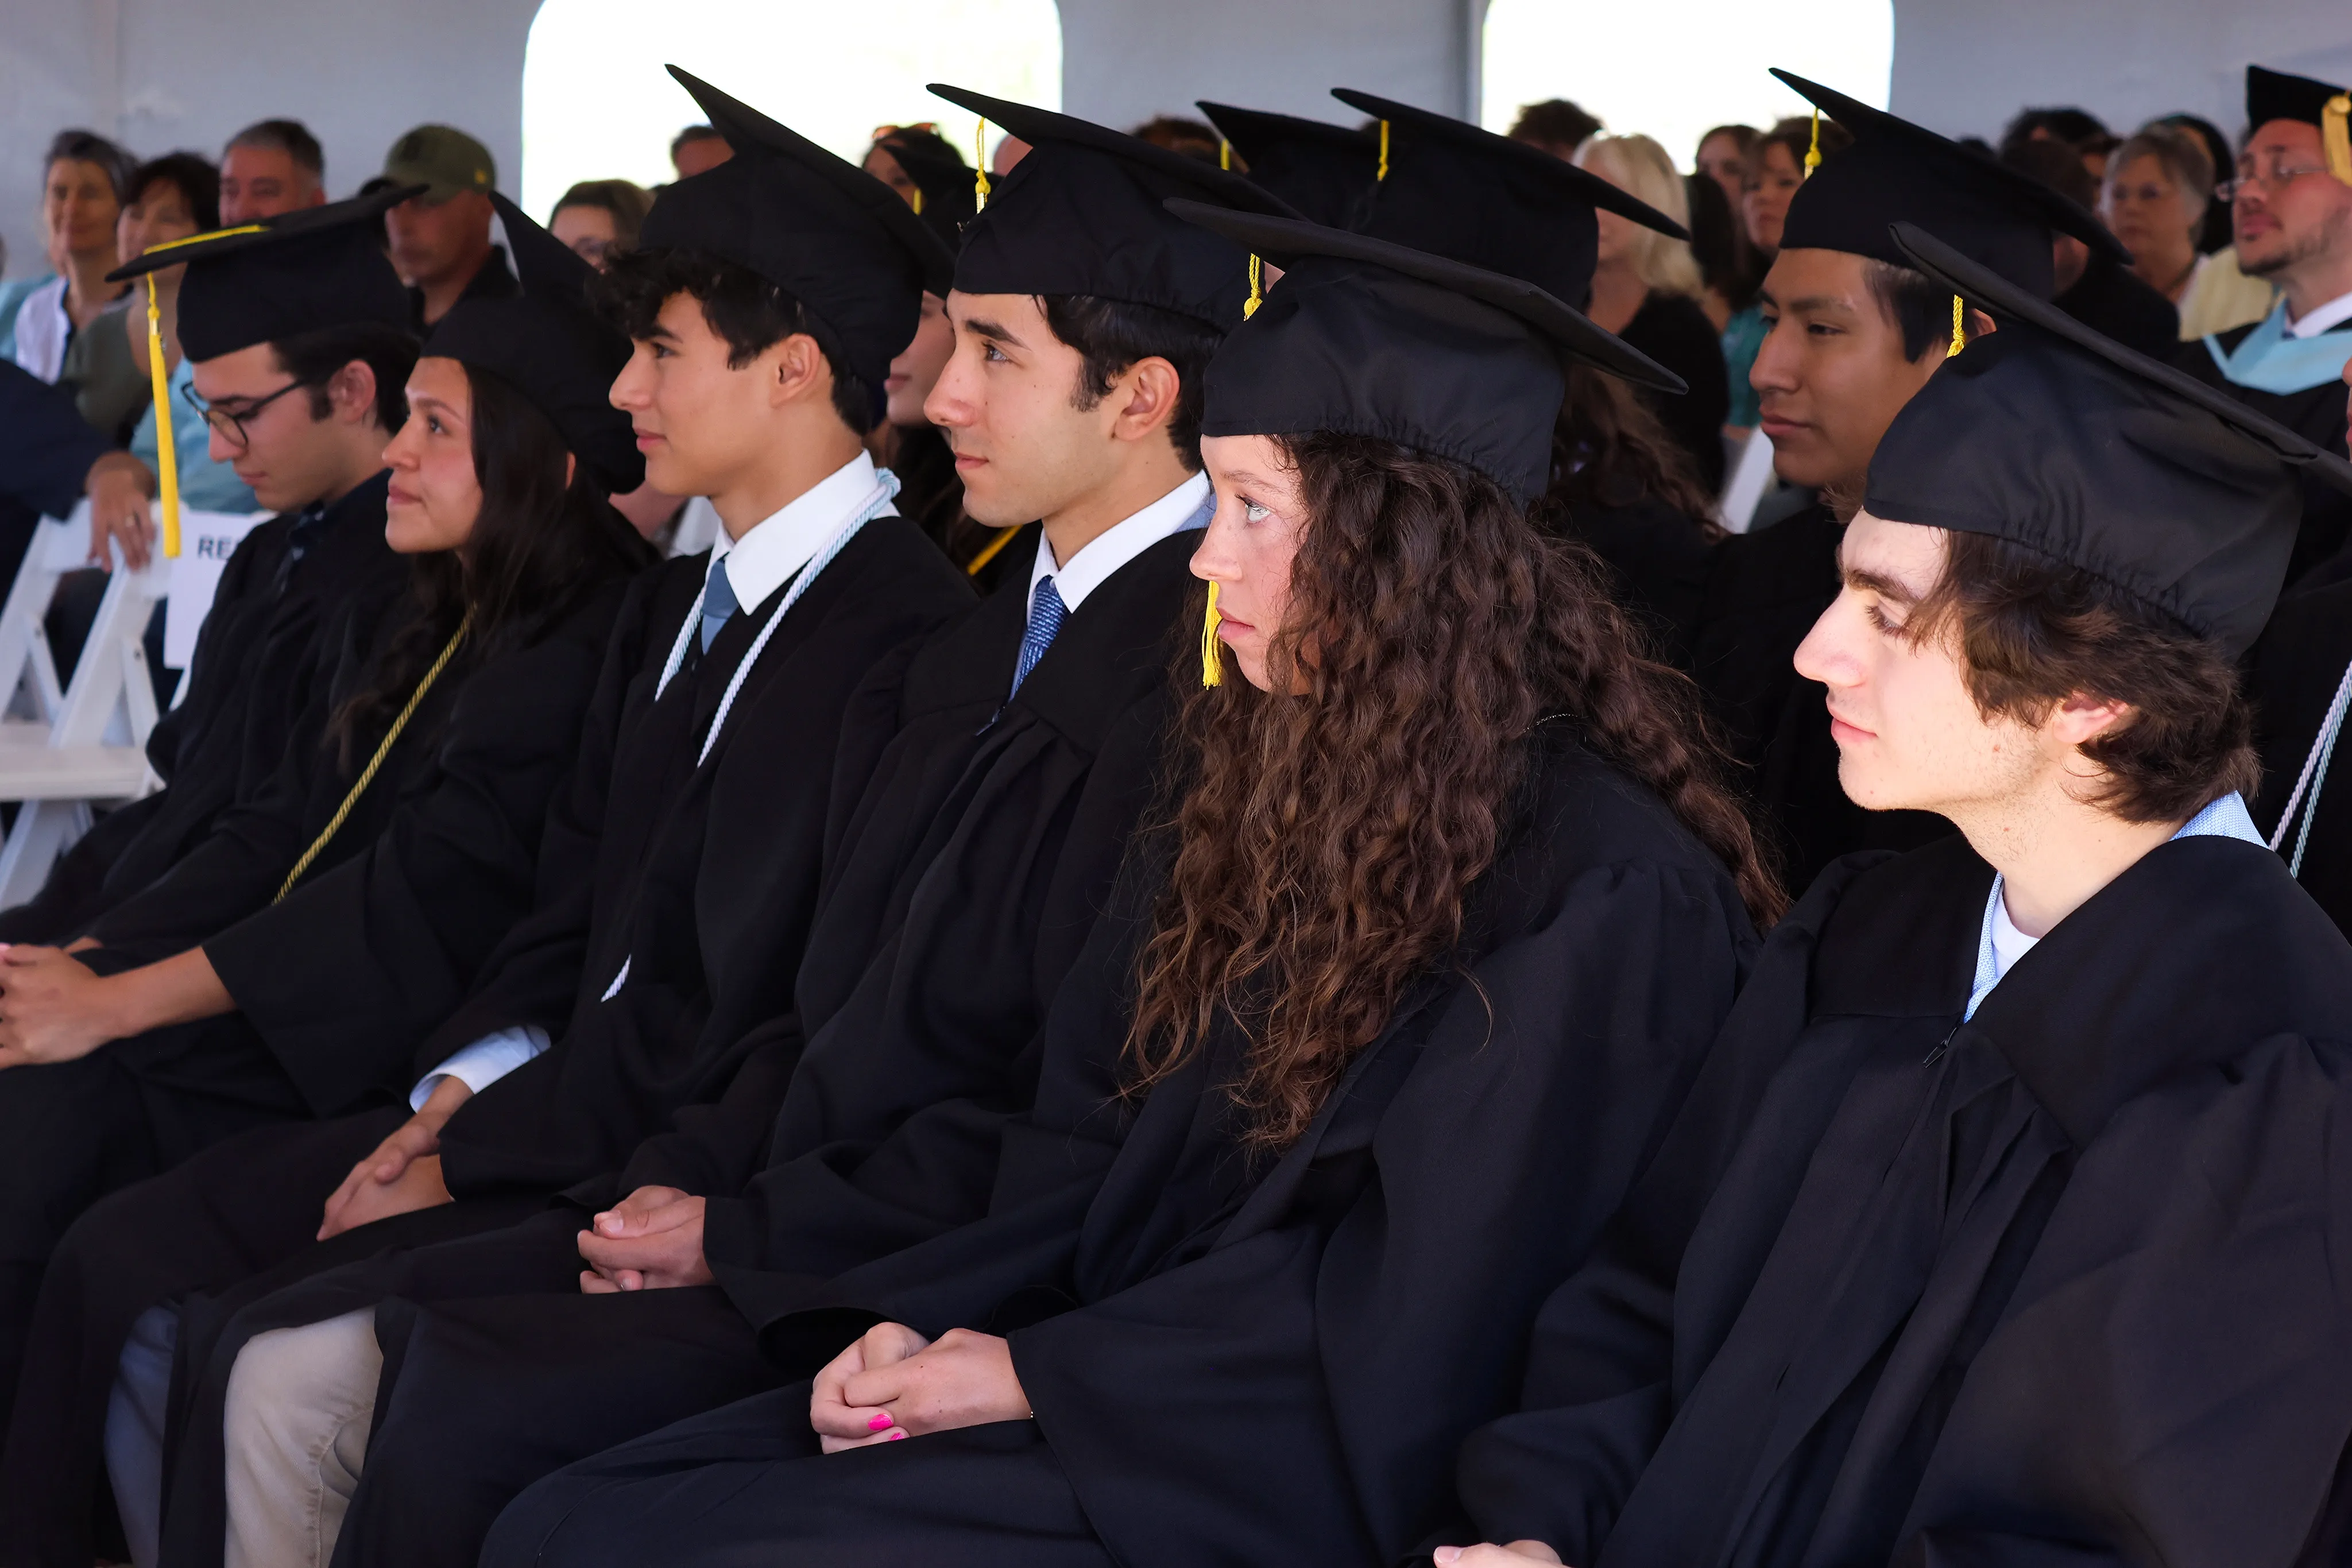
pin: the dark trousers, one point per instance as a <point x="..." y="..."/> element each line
<point x="747" y="1484"/>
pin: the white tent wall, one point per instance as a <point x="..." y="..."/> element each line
<point x="184" y="73"/>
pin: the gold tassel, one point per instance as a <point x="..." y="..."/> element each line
<point x="918" y="200"/>
<point x="1959" y="327"/>
<point x="988" y="551"/>
<point x="1224" y="154"/>
<point x="167" y="459"/>
<point x="2336" y="135"/>
<point x="1813" y="153"/>
<point x="979" y="157"/>
<point x="1256" y="298"/>
<point x="1384" y="153"/>
<point x="1211" y="667"/>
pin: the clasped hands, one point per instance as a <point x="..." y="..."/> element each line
<point x="52" y="1007"/>
<point x="893" y="1384"/>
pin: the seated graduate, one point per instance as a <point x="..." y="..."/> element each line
<point x="2000" y="1226"/>
<point x="677" y="870"/>
<point x="1851" y="335"/>
<point x="1017" y="750"/>
<point x="305" y="300"/>
<point x="1396" y="1004"/>
<point x="1618" y="483"/>
<point x="2291" y="220"/>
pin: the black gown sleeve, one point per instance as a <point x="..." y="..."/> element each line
<point x="46" y="449"/>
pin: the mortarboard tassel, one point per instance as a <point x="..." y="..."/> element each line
<point x="1257" y="298"/>
<point x="980" y="159"/>
<point x="2336" y="135"/>
<point x="1959" y="328"/>
<point x="1384" y="153"/>
<point x="1211" y="667"/>
<point x="1224" y="154"/>
<point x="167" y="464"/>
<point x="918" y="200"/>
<point x="1813" y="153"/>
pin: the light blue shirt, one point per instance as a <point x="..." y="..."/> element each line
<point x="2003" y="944"/>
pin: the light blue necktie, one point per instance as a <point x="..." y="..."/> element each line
<point x="718" y="602"/>
<point x="1046" y="613"/>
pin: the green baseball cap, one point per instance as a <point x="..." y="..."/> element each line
<point x="445" y="160"/>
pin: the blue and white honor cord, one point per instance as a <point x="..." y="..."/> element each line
<point x="2314" y="776"/>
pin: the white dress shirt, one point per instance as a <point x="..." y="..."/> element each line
<point x="2321" y="318"/>
<point x="1186" y="506"/>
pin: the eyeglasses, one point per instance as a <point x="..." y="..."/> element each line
<point x="2277" y="178"/>
<point x="229" y="427"/>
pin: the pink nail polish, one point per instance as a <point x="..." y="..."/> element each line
<point x="877" y="1423"/>
<point x="898" y="1436"/>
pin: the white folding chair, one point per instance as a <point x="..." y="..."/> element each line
<point x="1744" y="486"/>
<point x="63" y="751"/>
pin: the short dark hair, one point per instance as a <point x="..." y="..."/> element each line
<point x="1110" y="335"/>
<point x="1554" y="122"/>
<point x="750" y="312"/>
<point x="2032" y="630"/>
<point x="313" y="358"/>
<point x="192" y="175"/>
<point x="2077" y="128"/>
<point x="89" y="147"/>
<point x="627" y="201"/>
<point x="691" y="134"/>
<point x="1921" y="309"/>
<point x="1193" y="138"/>
<point x="2056" y="165"/>
<point x="290" y="137"/>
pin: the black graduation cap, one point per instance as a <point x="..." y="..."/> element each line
<point x="2274" y="95"/>
<point x="1450" y="188"/>
<point x="298" y="272"/>
<point x="1324" y="171"/>
<point x="943" y="181"/>
<point x="2057" y="437"/>
<point x="1374" y="339"/>
<point x="1081" y="214"/>
<point x="826" y="232"/>
<point x="1896" y="171"/>
<point x="551" y="347"/>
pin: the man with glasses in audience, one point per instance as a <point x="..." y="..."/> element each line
<point x="2291" y="213"/>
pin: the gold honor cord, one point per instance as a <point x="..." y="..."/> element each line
<point x="980" y="161"/>
<point x="367" y="774"/>
<point x="1224" y="154"/>
<point x="1813" y="153"/>
<point x="2336" y="135"/>
<point x="1213" y="672"/>
<point x="1384" y="153"/>
<point x="159" y="379"/>
<point x="1004" y="537"/>
<point x="1959" y="327"/>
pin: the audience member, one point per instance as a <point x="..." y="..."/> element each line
<point x="1723" y="156"/>
<point x="2078" y="129"/>
<point x="1556" y="125"/>
<point x="2158" y="186"/>
<point x="439" y="240"/>
<point x="170" y="198"/>
<point x="2097" y="290"/>
<point x="596" y="217"/>
<point x="1178" y="133"/>
<point x="1646" y="289"/>
<point x="2214" y="235"/>
<point x="1719" y="246"/>
<point x="696" y="149"/>
<point x="271" y="166"/>
<point x="83" y="192"/>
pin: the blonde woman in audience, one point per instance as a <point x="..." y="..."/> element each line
<point x="1646" y="288"/>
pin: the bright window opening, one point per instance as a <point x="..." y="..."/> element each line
<point x="596" y="103"/>
<point x="1674" y="69"/>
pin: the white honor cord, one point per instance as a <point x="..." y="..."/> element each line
<point x="2314" y="777"/>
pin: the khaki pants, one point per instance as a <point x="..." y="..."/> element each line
<point x="300" y="1401"/>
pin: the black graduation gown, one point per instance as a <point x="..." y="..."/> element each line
<point x="973" y="863"/>
<point x="2049" y="1286"/>
<point x="267" y="648"/>
<point x="1673" y="330"/>
<point x="2292" y="676"/>
<point x="1763" y="594"/>
<point x="45" y="453"/>
<point x="2315" y="414"/>
<point x="1237" y="1362"/>
<point x="1658" y="560"/>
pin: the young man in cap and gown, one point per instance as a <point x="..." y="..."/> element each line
<point x="2002" y="1226"/>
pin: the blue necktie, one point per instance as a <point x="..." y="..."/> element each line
<point x="1045" y="616"/>
<point x="718" y="602"/>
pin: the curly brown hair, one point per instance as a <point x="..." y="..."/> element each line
<point x="1326" y="842"/>
<point x="1608" y="448"/>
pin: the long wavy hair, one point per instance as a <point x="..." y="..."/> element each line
<point x="540" y="545"/>
<point x="1609" y="449"/>
<point x="1326" y="842"/>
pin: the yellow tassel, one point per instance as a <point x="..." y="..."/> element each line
<point x="979" y="157"/>
<point x="1211" y="667"/>
<point x="2336" y="135"/>
<point x="1224" y="154"/>
<point x="167" y="464"/>
<point x="1813" y="153"/>
<point x="1249" y="306"/>
<point x="1384" y="151"/>
<point x="918" y="200"/>
<point x="1959" y="327"/>
<point x="988" y="551"/>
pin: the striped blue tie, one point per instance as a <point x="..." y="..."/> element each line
<point x="1045" y="616"/>
<point x="718" y="602"/>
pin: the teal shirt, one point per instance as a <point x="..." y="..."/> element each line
<point x="204" y="485"/>
<point x="1743" y="335"/>
<point x="11" y="300"/>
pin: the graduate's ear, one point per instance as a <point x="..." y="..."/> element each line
<point x="350" y="394"/>
<point x="2081" y="718"/>
<point x="1979" y="323"/>
<point x="571" y="469"/>
<point x="800" y="372"/>
<point x="1145" y="394"/>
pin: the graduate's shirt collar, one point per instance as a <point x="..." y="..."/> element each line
<point x="2320" y="318"/>
<point x="1185" y="507"/>
<point x="783" y="542"/>
<point x="2001" y="944"/>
